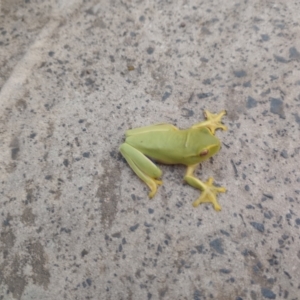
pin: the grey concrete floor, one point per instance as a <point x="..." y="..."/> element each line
<point x="76" y="222"/>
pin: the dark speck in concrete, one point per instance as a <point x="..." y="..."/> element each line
<point x="134" y="227"/>
<point x="265" y="93"/>
<point x="14" y="153"/>
<point x="89" y="81"/>
<point x="234" y="168"/>
<point x="268" y="215"/>
<point x="150" y="50"/>
<point x="258" y="226"/>
<point x="28" y="218"/>
<point x="297" y="118"/>
<point x="270" y="196"/>
<point x="51" y="53"/>
<point x="268" y="293"/>
<point x="225" y="271"/>
<point x="197" y="295"/>
<point x="86" y="154"/>
<point x="279" y="24"/>
<point x="84" y="253"/>
<point x="284" y="154"/>
<point x="89" y="282"/>
<point x="148" y="224"/>
<point x="206" y="81"/>
<point x="116" y="235"/>
<point x="150" y="210"/>
<point x="217" y="246"/>
<point x="280" y="59"/>
<point x="225" y="232"/>
<point x="166" y="96"/>
<point x="6" y="222"/>
<point x="66" y="162"/>
<point x="251" y="102"/>
<point x="199" y="248"/>
<point x="297" y="221"/>
<point x="294" y="54"/>
<point x="247" y="84"/>
<point x="142" y="18"/>
<point x="249" y="206"/>
<point x="240" y="73"/>
<point x="273" y="77"/>
<point x="289" y="216"/>
<point x="187" y="112"/>
<point x="265" y="37"/>
<point x="276" y="107"/>
<point x="204" y="95"/>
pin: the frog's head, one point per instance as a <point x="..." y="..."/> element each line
<point x="208" y="146"/>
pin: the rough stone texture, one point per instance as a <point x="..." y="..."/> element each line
<point x="76" y="223"/>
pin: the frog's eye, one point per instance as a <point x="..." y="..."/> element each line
<point x="203" y="153"/>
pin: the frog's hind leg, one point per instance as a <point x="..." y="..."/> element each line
<point x="209" y="191"/>
<point x="213" y="121"/>
<point x="143" y="167"/>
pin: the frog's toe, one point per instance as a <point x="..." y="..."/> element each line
<point x="152" y="184"/>
<point x="221" y="189"/>
<point x="223" y="113"/>
<point x="153" y="190"/>
<point x="158" y="182"/>
<point x="152" y="193"/>
<point x="221" y="126"/>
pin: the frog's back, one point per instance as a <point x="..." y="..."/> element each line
<point x="171" y="147"/>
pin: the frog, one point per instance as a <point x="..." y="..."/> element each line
<point x="165" y="143"/>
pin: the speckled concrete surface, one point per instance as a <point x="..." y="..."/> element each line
<point x="76" y="223"/>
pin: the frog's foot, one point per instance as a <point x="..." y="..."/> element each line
<point x="213" y="121"/>
<point x="152" y="184"/>
<point x="209" y="193"/>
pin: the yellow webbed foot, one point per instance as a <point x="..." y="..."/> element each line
<point x="209" y="193"/>
<point x="214" y="120"/>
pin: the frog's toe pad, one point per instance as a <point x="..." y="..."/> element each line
<point x="209" y="195"/>
<point x="158" y="182"/>
<point x="152" y="184"/>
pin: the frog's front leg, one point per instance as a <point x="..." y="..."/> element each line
<point x="142" y="166"/>
<point x="209" y="191"/>
<point x="213" y="121"/>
